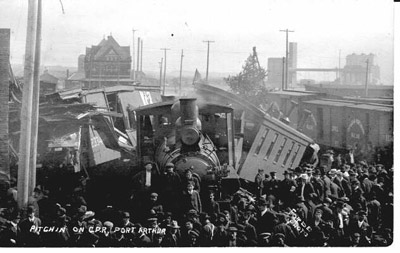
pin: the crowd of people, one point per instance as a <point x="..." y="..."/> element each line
<point x="347" y="204"/>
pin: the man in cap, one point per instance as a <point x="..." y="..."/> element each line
<point x="279" y="240"/>
<point x="360" y="225"/>
<point x="272" y="187"/>
<point x="171" y="187"/>
<point x="153" y="204"/>
<point x="283" y="227"/>
<point x="211" y="206"/>
<point x="264" y="239"/>
<point x="189" y="177"/>
<point x="191" y="199"/>
<point x="250" y="230"/>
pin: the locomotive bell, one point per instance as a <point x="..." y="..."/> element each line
<point x="188" y="123"/>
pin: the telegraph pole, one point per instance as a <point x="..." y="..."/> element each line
<point x="366" y="80"/>
<point x="283" y="73"/>
<point x="180" y="75"/>
<point x="26" y="108"/>
<point x="133" y="55"/>
<point x="287" y="55"/>
<point x="339" y="74"/>
<point x="4" y="106"/>
<point x="161" y="67"/>
<point x="35" y="102"/>
<point x="165" y="66"/>
<point x="141" y="55"/>
<point x="208" y="55"/>
<point x="138" y="54"/>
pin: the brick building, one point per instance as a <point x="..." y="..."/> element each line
<point x="106" y="64"/>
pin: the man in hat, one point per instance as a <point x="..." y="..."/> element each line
<point x="266" y="217"/>
<point x="146" y="181"/>
<point x="259" y="180"/>
<point x="287" y="189"/>
<point x="304" y="189"/>
<point x="171" y="188"/>
<point x="220" y="236"/>
<point x="318" y="185"/>
<point x="334" y="188"/>
<point x="338" y="181"/>
<point x="340" y="223"/>
<point x="29" y="229"/>
<point x="344" y="183"/>
<point x="207" y="230"/>
<point x="349" y="157"/>
<point x="126" y="220"/>
<point x="325" y="207"/>
<point x="172" y="238"/>
<point x="186" y="233"/>
<point x="232" y="237"/>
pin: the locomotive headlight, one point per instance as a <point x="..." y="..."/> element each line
<point x="190" y="135"/>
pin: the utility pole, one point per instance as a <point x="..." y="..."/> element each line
<point x="339" y="74"/>
<point x="133" y="55"/>
<point x="287" y="55"/>
<point x="138" y="54"/>
<point x="208" y="55"/>
<point x="161" y="67"/>
<point x="141" y="55"/>
<point x="35" y="102"/>
<point x="283" y="73"/>
<point x="366" y="80"/>
<point x="4" y="106"/>
<point x="26" y="108"/>
<point x="180" y="75"/>
<point x="165" y="67"/>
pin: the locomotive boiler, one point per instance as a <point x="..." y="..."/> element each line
<point x="191" y="135"/>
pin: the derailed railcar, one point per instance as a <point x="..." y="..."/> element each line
<point x="261" y="141"/>
<point x="365" y="127"/>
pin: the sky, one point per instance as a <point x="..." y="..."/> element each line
<point x="322" y="29"/>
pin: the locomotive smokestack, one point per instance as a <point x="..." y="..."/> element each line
<point x="188" y="122"/>
<point x="189" y="111"/>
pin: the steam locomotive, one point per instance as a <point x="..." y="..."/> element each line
<point x="191" y="135"/>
